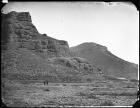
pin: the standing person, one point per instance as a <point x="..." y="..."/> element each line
<point x="46" y="81"/>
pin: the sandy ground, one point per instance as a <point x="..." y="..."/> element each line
<point x="68" y="94"/>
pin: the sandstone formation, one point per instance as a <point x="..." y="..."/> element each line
<point x="19" y="32"/>
<point x="27" y="54"/>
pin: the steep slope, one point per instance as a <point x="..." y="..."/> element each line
<point x="19" y="32"/>
<point x="110" y="64"/>
<point x="29" y="55"/>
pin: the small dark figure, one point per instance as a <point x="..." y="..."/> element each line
<point x="99" y="69"/>
<point x="45" y="82"/>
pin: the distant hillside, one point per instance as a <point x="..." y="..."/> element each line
<point x="110" y="64"/>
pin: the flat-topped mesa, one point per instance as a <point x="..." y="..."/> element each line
<point x="19" y="32"/>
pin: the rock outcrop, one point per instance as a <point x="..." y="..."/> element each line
<point x="27" y="54"/>
<point x="19" y="32"/>
<point x="76" y="63"/>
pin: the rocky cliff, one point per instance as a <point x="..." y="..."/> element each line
<point x="27" y="54"/>
<point x="19" y="32"/>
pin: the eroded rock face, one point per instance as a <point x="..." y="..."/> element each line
<point x="19" y="32"/>
<point x="26" y="53"/>
<point x="76" y="63"/>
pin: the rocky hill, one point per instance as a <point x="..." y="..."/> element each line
<point x="27" y="54"/>
<point x="110" y="64"/>
<point x="84" y="75"/>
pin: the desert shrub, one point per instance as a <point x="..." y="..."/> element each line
<point x="82" y="94"/>
<point x="118" y="94"/>
<point x="89" y="80"/>
<point x="69" y="64"/>
<point x="130" y="86"/>
<point x="86" y="68"/>
<point x="134" y="80"/>
<point x="107" y="103"/>
<point x="91" y="96"/>
<point x="64" y="85"/>
<point x="127" y="94"/>
<point x="51" y="102"/>
<point x="46" y="90"/>
<point x="110" y="86"/>
<point x="87" y="95"/>
<point x="19" y="103"/>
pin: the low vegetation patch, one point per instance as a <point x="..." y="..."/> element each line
<point x="107" y="103"/>
<point x="88" y="95"/>
<point x="46" y="90"/>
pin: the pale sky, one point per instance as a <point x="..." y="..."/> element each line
<point x="115" y="26"/>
